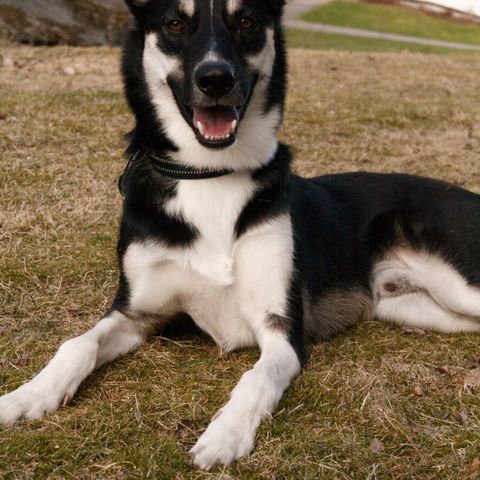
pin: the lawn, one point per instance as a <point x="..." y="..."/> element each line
<point x="327" y="41"/>
<point x="376" y="402"/>
<point x="383" y="18"/>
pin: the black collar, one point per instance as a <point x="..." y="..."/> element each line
<point x="183" y="172"/>
<point x="170" y="169"/>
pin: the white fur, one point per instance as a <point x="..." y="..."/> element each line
<point x="233" y="6"/>
<point x="421" y="311"/>
<point x="157" y="65"/>
<point x="231" y="434"/>
<point x="213" y="207"/>
<point x="263" y="62"/>
<point x="188" y="7"/>
<point x="256" y="135"/>
<point x="211" y="56"/>
<point x="264" y="266"/>
<point x="113" y="336"/>
<point x="440" y="298"/>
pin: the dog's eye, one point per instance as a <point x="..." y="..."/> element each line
<point x="247" y="23"/>
<point x="176" y="26"/>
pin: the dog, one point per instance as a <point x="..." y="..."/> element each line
<point x="216" y="226"/>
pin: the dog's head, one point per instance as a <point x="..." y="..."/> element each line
<point x="212" y="74"/>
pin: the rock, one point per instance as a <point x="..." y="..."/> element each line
<point x="6" y="61"/>
<point x="376" y="446"/>
<point x="69" y="71"/>
<point x="64" y="22"/>
<point x="418" y="391"/>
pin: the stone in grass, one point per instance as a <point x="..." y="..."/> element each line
<point x="418" y="390"/>
<point x="6" y="61"/>
<point x="69" y="71"/>
<point x="376" y="446"/>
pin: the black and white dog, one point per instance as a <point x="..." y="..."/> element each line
<point x="215" y="225"/>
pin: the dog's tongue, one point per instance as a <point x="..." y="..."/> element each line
<point x="215" y="123"/>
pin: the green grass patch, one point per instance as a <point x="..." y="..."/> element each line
<point x="327" y="41"/>
<point x="383" y="18"/>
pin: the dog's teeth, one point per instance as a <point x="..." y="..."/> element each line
<point x="234" y="125"/>
<point x="201" y="128"/>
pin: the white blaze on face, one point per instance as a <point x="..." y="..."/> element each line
<point x="233" y="6"/>
<point x="263" y="62"/>
<point x="157" y="64"/>
<point x="188" y="7"/>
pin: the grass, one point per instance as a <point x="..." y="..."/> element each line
<point x="326" y="41"/>
<point x="60" y="156"/>
<point x="383" y="18"/>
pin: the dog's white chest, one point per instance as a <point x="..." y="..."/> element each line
<point x="213" y="207"/>
<point x="201" y="279"/>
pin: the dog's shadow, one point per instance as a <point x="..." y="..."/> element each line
<point x="180" y="329"/>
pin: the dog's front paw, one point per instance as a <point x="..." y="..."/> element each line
<point x="26" y="402"/>
<point x="227" y="438"/>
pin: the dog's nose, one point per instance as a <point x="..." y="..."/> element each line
<point x="215" y="79"/>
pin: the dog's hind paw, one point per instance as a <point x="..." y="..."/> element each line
<point x="225" y="440"/>
<point x="26" y="402"/>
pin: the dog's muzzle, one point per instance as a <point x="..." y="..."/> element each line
<point x="215" y="120"/>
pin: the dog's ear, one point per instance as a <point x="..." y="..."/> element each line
<point x="136" y="6"/>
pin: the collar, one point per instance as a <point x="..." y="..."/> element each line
<point x="183" y="172"/>
<point x="170" y="169"/>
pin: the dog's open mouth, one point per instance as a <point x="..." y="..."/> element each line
<point x="216" y="126"/>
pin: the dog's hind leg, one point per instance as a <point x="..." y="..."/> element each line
<point x="422" y="290"/>
<point x="113" y="336"/>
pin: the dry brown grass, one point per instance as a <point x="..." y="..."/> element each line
<point x="61" y="154"/>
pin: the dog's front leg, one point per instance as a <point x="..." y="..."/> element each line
<point x="114" y="335"/>
<point x="231" y="434"/>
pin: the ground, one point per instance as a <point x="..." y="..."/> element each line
<point x="326" y="41"/>
<point x="383" y="18"/>
<point x="376" y="402"/>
